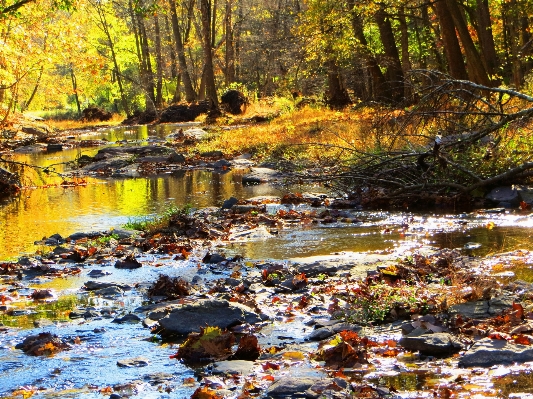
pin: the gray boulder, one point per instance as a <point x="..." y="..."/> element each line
<point x="438" y="344"/>
<point x="260" y="175"/>
<point x="287" y="386"/>
<point x="185" y="319"/>
<point x="488" y="352"/>
<point x="504" y="195"/>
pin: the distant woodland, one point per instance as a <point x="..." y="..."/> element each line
<point x="128" y="55"/>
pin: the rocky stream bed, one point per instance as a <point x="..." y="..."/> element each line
<point x="177" y="312"/>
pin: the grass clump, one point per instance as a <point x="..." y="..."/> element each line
<point x="153" y="223"/>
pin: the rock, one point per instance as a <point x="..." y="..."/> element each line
<point x="109" y="292"/>
<point x="328" y="331"/>
<point x="54" y="147"/>
<point x="260" y="175"/>
<point x="42" y="344"/>
<point x="91" y="114"/>
<point x="176" y="158"/>
<point x="234" y="102"/>
<point x="212" y="154"/>
<point x="123" y="233"/>
<point x="195" y="132"/>
<point x="84" y="314"/>
<point x="97" y="285"/>
<point x="36" y="131"/>
<point x="183" y="113"/>
<point x="40" y="323"/>
<point x="504" y="195"/>
<point x="230" y="202"/>
<point x="322" y="267"/>
<point x="82" y="235"/>
<point x="526" y="193"/>
<point x="329" y="388"/>
<point x="98" y="273"/>
<point x="472" y="310"/>
<point x="438" y="344"/>
<point x="129" y="318"/>
<point x="141" y="151"/>
<point x="158" y="378"/>
<point x="134" y="362"/>
<point x="242" y="367"/>
<point x="128" y="263"/>
<point x="488" y="352"/>
<point x="501" y="303"/>
<point x="287" y="386"/>
<point x="213" y="258"/>
<point x="185" y="319"/>
<point x="9" y="182"/>
<point x="222" y="164"/>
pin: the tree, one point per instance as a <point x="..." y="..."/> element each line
<point x="207" y="16"/>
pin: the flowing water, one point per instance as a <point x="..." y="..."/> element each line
<point x="44" y="208"/>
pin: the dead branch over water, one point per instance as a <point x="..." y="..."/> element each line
<point x="459" y="139"/>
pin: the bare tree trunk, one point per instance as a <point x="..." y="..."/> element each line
<point x="394" y="66"/>
<point x="377" y="84"/>
<point x="337" y="96"/>
<point x="230" y="49"/>
<point x="148" y="81"/>
<point x="210" y="86"/>
<point x="454" y="56"/>
<point x="406" y="61"/>
<point x="190" y="94"/>
<point x="159" y="64"/>
<point x="34" y="91"/>
<point x="486" y="39"/>
<point x="75" y="89"/>
<point x="476" y="67"/>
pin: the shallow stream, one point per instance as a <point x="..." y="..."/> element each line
<point x="45" y="208"/>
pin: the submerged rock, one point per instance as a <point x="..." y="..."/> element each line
<point x="184" y="319"/>
<point x="261" y="175"/>
<point x="134" y="362"/>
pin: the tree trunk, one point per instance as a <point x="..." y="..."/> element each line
<point x="148" y="81"/>
<point x="452" y="49"/>
<point x="406" y="62"/>
<point x="190" y="94"/>
<point x="377" y="84"/>
<point x="337" y="96"/>
<point x="230" y="49"/>
<point x="36" y="87"/>
<point x="486" y="39"/>
<point x="159" y="64"/>
<point x="394" y="66"/>
<point x="210" y="86"/>
<point x="476" y="67"/>
<point x="75" y="89"/>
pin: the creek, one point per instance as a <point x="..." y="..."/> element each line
<point x="45" y="208"/>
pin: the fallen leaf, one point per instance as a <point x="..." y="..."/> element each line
<point x="293" y="355"/>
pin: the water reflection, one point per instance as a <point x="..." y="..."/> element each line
<point x="109" y="203"/>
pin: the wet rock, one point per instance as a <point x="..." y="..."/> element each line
<point x="134" y="362"/>
<point x="260" y="175"/>
<point x="84" y="235"/>
<point x="526" y="193"/>
<point x="287" y="386"/>
<point x="344" y="204"/>
<point x="109" y="292"/>
<point x="9" y="182"/>
<point x="185" y="319"/>
<point x="98" y="285"/>
<point x="195" y="132"/>
<point x="222" y="164"/>
<point x="108" y="165"/>
<point x="322" y="267"/>
<point x="140" y="151"/>
<point x="501" y="303"/>
<point x="98" y="273"/>
<point x="329" y="388"/>
<point x="129" y="318"/>
<point x="328" y="331"/>
<point x="504" y="194"/>
<point x="27" y="261"/>
<point x="230" y="202"/>
<point x="158" y="378"/>
<point x="124" y="233"/>
<point x="128" y="263"/>
<point x="43" y="344"/>
<point x="213" y="258"/>
<point x="54" y="239"/>
<point x="488" y="352"/>
<point x="54" y="147"/>
<point x="84" y="314"/>
<point x="472" y="310"/>
<point x="439" y="344"/>
<point x="242" y="367"/>
<point x="176" y="158"/>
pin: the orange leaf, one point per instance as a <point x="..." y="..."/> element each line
<point x="521" y="339"/>
<point x="268" y="378"/>
<point x="268" y="365"/>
